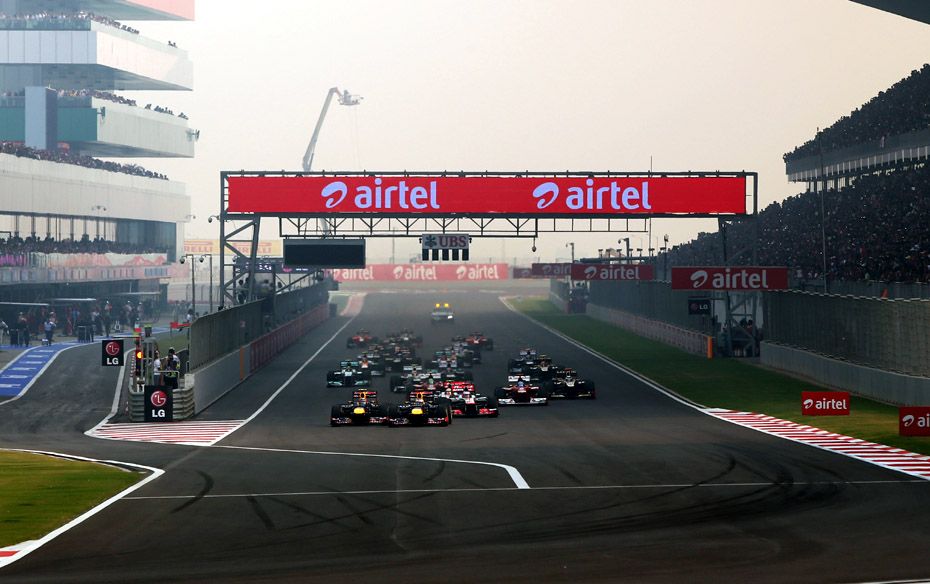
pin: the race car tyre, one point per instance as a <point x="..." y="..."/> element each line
<point x="336" y="412"/>
<point x="499" y="392"/>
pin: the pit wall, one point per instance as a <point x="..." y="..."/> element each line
<point x="213" y="381"/>
<point x="684" y="339"/>
<point x="885" y="386"/>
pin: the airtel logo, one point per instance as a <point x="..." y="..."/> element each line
<point x="330" y="191"/>
<point x="699" y="278"/>
<point x="398" y="272"/>
<point x="547" y="189"/>
<point x="590" y="272"/>
<point x="460" y="272"/>
<point x="907" y="420"/>
<point x="808" y="403"/>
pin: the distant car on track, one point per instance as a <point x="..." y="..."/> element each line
<point x="363" y="410"/>
<point x="349" y="374"/>
<point x="361" y="338"/>
<point x="466" y="402"/>
<point x="565" y="383"/>
<point x="522" y="392"/>
<point x="442" y="312"/>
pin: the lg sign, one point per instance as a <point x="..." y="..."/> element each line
<point x="483" y="195"/>
<point x="730" y="278"/>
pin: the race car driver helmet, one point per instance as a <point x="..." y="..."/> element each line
<point x="520" y="383"/>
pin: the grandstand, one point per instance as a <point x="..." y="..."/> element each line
<point x="871" y="167"/>
<point x="71" y="223"/>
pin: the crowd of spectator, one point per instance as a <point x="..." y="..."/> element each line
<point x="903" y="107"/>
<point x="66" y="157"/>
<point x="81" y="93"/>
<point x="33" y="244"/>
<point x="58" y="21"/>
<point x="876" y="229"/>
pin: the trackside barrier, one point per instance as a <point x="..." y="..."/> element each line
<point x="183" y="403"/>
<point x="684" y="339"/>
<point x="885" y="386"/>
<point x="266" y="347"/>
<point x="213" y="381"/>
<point x="559" y="294"/>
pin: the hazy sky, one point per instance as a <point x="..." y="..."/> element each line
<point x="536" y="84"/>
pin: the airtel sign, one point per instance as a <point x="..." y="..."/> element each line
<point x="435" y="194"/>
<point x="612" y="272"/>
<point x="551" y="270"/>
<point x="914" y="421"/>
<point x="824" y="403"/>
<point x="730" y="278"/>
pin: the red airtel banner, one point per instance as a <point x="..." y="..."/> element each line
<point x="824" y="403"/>
<point x="484" y="195"/>
<point x="612" y="272"/>
<point x="423" y="273"/>
<point x="730" y="278"/>
<point x="914" y="421"/>
<point x="557" y="270"/>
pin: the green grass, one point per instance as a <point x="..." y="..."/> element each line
<point x="722" y="383"/>
<point x="41" y="493"/>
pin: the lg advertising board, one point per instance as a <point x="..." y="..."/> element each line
<point x="437" y="195"/>
<point x="740" y="278"/>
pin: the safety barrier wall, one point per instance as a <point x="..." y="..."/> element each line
<point x="652" y="300"/>
<point x="558" y="294"/>
<point x="267" y="347"/>
<point x="213" y="381"/>
<point x="880" y="289"/>
<point x="684" y="339"/>
<point x="217" y="334"/>
<point x="879" y="333"/>
<point x="886" y="386"/>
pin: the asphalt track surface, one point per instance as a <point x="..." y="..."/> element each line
<point x="634" y="486"/>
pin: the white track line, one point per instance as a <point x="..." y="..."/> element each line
<point x="515" y="475"/>
<point x="713" y="412"/>
<point x="36" y="544"/>
<point x="555" y="488"/>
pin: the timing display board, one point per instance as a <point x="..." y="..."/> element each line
<point x="536" y="196"/>
<point x="324" y="253"/>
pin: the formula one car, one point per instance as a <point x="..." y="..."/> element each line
<point x="420" y="410"/>
<point x="361" y="338"/>
<point x="480" y="341"/>
<point x="522" y="392"/>
<point x="372" y="362"/>
<point x="526" y="360"/>
<point x="349" y="374"/>
<point x="405" y="337"/>
<point x="465" y="402"/>
<point x="363" y="410"/>
<point x="566" y="384"/>
<point x="442" y="312"/>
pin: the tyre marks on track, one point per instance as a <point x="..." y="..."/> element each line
<point x="911" y="463"/>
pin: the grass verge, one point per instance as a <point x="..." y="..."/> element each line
<point x="40" y="493"/>
<point x="722" y="383"/>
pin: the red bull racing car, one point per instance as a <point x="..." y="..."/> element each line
<point x="363" y="410"/>
<point x="420" y="409"/>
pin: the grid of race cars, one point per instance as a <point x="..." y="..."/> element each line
<point x="438" y="385"/>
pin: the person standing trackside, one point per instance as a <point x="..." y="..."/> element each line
<point x="170" y="369"/>
<point x="49" y="330"/>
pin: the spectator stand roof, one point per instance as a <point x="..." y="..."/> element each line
<point x="919" y="11"/>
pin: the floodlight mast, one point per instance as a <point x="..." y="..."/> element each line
<point x="344" y="98"/>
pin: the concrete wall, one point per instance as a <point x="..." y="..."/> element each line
<point x="212" y="382"/>
<point x="684" y="339"/>
<point x="886" y="386"/>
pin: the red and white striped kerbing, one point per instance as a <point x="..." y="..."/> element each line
<point x="194" y="433"/>
<point x="910" y="463"/>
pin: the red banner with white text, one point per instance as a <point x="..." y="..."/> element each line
<point x="590" y="196"/>
<point x="424" y="273"/>
<point x="612" y="272"/>
<point x="730" y="278"/>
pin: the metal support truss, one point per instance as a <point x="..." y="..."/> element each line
<point x="741" y="307"/>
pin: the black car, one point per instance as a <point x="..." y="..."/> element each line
<point x="363" y="410"/>
<point x="420" y="410"/>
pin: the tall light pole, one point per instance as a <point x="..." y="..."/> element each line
<point x="572" y="245"/>
<point x="183" y="259"/>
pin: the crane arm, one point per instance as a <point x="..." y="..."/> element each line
<point x="345" y="98"/>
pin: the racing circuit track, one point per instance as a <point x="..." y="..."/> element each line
<point x="635" y="486"/>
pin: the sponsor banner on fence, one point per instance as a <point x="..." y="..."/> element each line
<point x="612" y="272"/>
<point x="729" y="278"/>
<point x="824" y="403"/>
<point x="914" y="421"/>
<point x="558" y="270"/>
<point x="522" y="274"/>
<point x="489" y="195"/>
<point x="266" y="247"/>
<point x="423" y="273"/>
